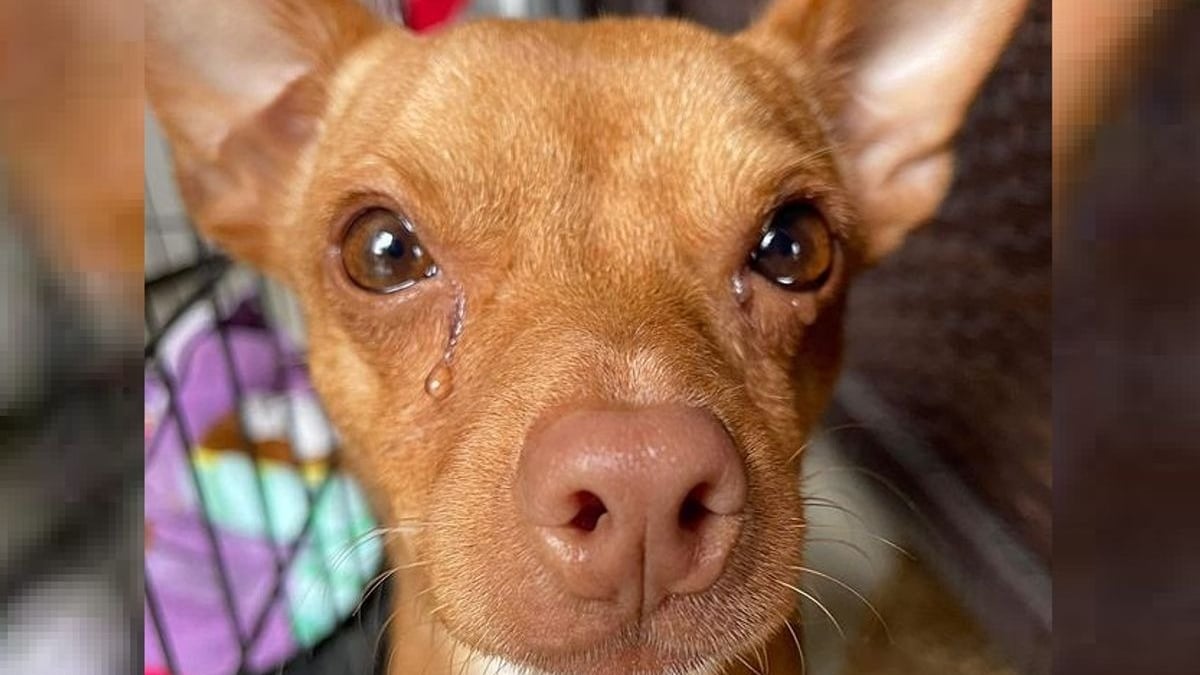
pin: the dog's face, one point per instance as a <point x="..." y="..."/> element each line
<point x="574" y="291"/>
<point x="596" y="228"/>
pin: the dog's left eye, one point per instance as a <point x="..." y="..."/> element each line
<point x="796" y="249"/>
<point x="381" y="252"/>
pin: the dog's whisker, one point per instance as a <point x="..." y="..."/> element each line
<point x="799" y="650"/>
<point x="335" y="563"/>
<point x="382" y="577"/>
<point x="485" y="659"/>
<point x="421" y="594"/>
<point x="746" y="663"/>
<point x="375" y="583"/>
<point x="795" y="455"/>
<point x="343" y="555"/>
<point x="882" y="540"/>
<point x="391" y="655"/>
<point x="475" y="657"/>
<point x="472" y="658"/>
<point x="379" y="639"/>
<point x="882" y="481"/>
<point x="820" y="433"/>
<point x="842" y="542"/>
<point x="886" y="629"/>
<point x="819" y="604"/>
<point x="825" y="502"/>
<point x="758" y="657"/>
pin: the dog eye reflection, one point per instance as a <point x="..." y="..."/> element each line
<point x="796" y="248"/>
<point x="381" y="252"/>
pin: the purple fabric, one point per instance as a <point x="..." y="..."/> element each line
<point x="205" y="394"/>
<point x="179" y="562"/>
<point x="195" y="614"/>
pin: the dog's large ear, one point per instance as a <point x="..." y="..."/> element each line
<point x="238" y="86"/>
<point x="893" y="80"/>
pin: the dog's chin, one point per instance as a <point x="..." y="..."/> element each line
<point x="624" y="662"/>
<point x="616" y="659"/>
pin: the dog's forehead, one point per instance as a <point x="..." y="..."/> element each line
<point x="643" y="115"/>
<point x="590" y="70"/>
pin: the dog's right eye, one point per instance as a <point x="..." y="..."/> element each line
<point x="796" y="250"/>
<point x="381" y="252"/>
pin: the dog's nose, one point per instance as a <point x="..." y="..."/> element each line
<point x="632" y="504"/>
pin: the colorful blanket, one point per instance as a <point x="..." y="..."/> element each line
<point x="259" y="481"/>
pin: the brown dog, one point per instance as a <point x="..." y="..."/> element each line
<point x="574" y="291"/>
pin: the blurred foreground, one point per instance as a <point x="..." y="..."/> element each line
<point x="1127" y="124"/>
<point x="70" y="280"/>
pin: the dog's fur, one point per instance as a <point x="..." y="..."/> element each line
<point x="589" y="192"/>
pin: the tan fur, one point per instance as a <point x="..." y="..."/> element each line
<point x="590" y="190"/>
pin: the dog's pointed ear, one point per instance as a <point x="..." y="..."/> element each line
<point x="238" y="87"/>
<point x="893" y="80"/>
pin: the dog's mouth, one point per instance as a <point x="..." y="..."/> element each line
<point x="634" y="661"/>
<point x="689" y="635"/>
<point x="632" y="650"/>
<point x="623" y="656"/>
<point x="618" y="666"/>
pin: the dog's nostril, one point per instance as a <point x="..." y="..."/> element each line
<point x="693" y="511"/>
<point x="632" y="505"/>
<point x="591" y="508"/>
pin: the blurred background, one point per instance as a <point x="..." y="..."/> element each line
<point x="1127" y="338"/>
<point x="943" y="419"/>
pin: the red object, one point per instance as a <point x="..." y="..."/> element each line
<point x="156" y="671"/>
<point x="425" y="14"/>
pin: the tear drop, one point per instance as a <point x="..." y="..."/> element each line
<point x="806" y="307"/>
<point x="741" y="287"/>
<point x="456" y="322"/>
<point x="440" y="381"/>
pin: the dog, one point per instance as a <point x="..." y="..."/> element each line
<point x="574" y="292"/>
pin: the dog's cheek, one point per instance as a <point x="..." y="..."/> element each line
<point x="378" y="419"/>
<point x="791" y="365"/>
<point x="468" y="503"/>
